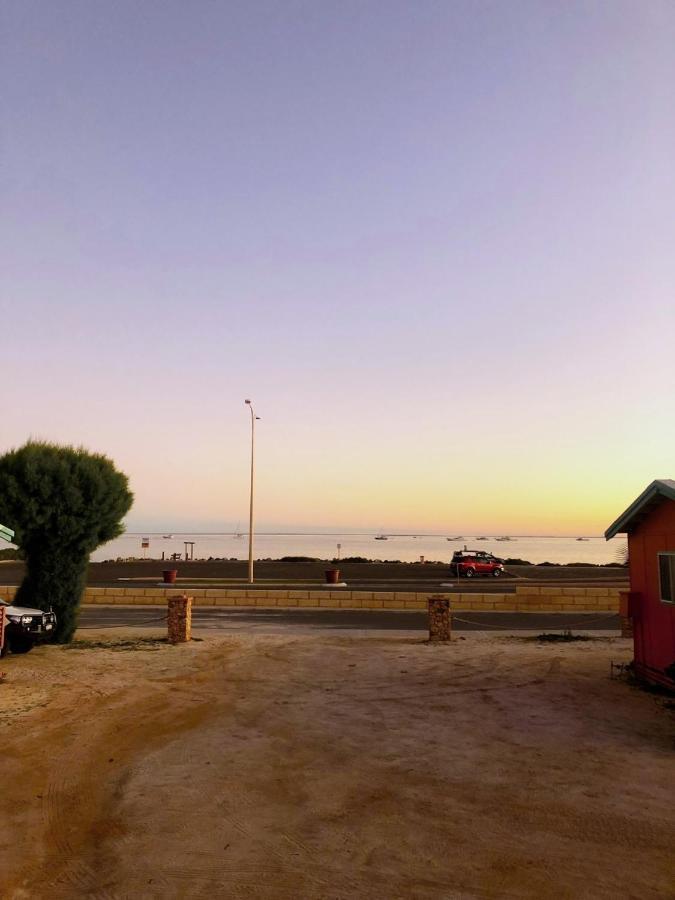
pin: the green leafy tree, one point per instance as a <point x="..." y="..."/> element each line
<point x="62" y="502"/>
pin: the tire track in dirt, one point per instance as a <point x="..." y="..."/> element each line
<point x="79" y="857"/>
<point x="289" y="859"/>
<point x="99" y="744"/>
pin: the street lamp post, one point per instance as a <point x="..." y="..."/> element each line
<point x="250" y="516"/>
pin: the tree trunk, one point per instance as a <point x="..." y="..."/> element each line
<point x="55" y="579"/>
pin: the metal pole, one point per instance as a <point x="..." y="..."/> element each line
<point x="250" y="515"/>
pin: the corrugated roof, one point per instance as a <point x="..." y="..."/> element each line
<point x="662" y="488"/>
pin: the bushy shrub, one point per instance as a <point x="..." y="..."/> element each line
<point x="514" y="561"/>
<point x="352" y="559"/>
<point x="62" y="502"/>
<point x="298" y="559"/>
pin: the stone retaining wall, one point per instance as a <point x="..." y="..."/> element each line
<point x="525" y="599"/>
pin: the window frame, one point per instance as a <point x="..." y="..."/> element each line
<point x="671" y="555"/>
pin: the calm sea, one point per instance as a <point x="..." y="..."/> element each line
<point x="325" y="546"/>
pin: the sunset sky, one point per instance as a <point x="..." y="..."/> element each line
<point x="433" y="241"/>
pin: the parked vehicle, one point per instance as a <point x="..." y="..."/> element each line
<point x="25" y="627"/>
<point x="470" y="563"/>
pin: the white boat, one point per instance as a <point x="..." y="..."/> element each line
<point x="504" y="538"/>
<point x="381" y="537"/>
<point x="481" y="539"/>
<point x="167" y="537"/>
<point x="458" y="538"/>
<point x="238" y="535"/>
<point x="582" y="539"/>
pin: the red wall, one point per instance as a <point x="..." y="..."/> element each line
<point x="654" y="621"/>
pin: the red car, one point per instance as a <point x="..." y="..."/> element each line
<point x="470" y="563"/>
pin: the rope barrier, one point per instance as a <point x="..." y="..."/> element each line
<point x="456" y="618"/>
<point x="124" y="624"/>
<point x="567" y="627"/>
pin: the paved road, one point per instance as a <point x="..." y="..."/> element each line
<point x="345" y="619"/>
<point x="359" y="577"/>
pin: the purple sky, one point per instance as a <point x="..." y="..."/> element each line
<point x="433" y="241"/>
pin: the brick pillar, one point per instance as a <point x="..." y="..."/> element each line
<point x="626" y="611"/>
<point x="439" y="618"/>
<point x="626" y="627"/>
<point x="179" y="619"/>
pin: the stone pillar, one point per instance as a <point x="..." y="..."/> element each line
<point x="439" y="618"/>
<point x="179" y="619"/>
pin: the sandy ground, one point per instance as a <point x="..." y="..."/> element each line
<point x="315" y="765"/>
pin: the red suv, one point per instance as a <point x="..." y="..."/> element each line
<point x="476" y="562"/>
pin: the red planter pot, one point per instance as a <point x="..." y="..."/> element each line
<point x="169" y="576"/>
<point x="332" y="576"/>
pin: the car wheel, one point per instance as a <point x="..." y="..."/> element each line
<point x="496" y="573"/>
<point x="21" y="645"/>
<point x="470" y="573"/>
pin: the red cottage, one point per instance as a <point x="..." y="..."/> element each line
<point x="649" y="523"/>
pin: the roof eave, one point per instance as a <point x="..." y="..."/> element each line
<point x="657" y="489"/>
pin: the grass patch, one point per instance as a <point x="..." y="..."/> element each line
<point x="556" y="637"/>
<point x="119" y="644"/>
<point x="625" y="672"/>
<point x="664" y="694"/>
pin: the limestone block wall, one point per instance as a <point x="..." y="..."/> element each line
<point x="527" y="598"/>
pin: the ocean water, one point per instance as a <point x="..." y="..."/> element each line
<point x="324" y="546"/>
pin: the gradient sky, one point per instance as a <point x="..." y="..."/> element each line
<point x="433" y="241"/>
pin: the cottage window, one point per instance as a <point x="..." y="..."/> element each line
<point x="667" y="577"/>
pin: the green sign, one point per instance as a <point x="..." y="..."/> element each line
<point x="6" y="533"/>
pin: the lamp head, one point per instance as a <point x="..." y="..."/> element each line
<point x="247" y="401"/>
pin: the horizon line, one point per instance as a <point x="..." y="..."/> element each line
<point x="389" y="534"/>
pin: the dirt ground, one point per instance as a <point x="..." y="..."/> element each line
<point x="311" y="765"/>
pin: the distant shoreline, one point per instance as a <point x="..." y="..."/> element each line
<point x="391" y="535"/>
<point x="350" y="561"/>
